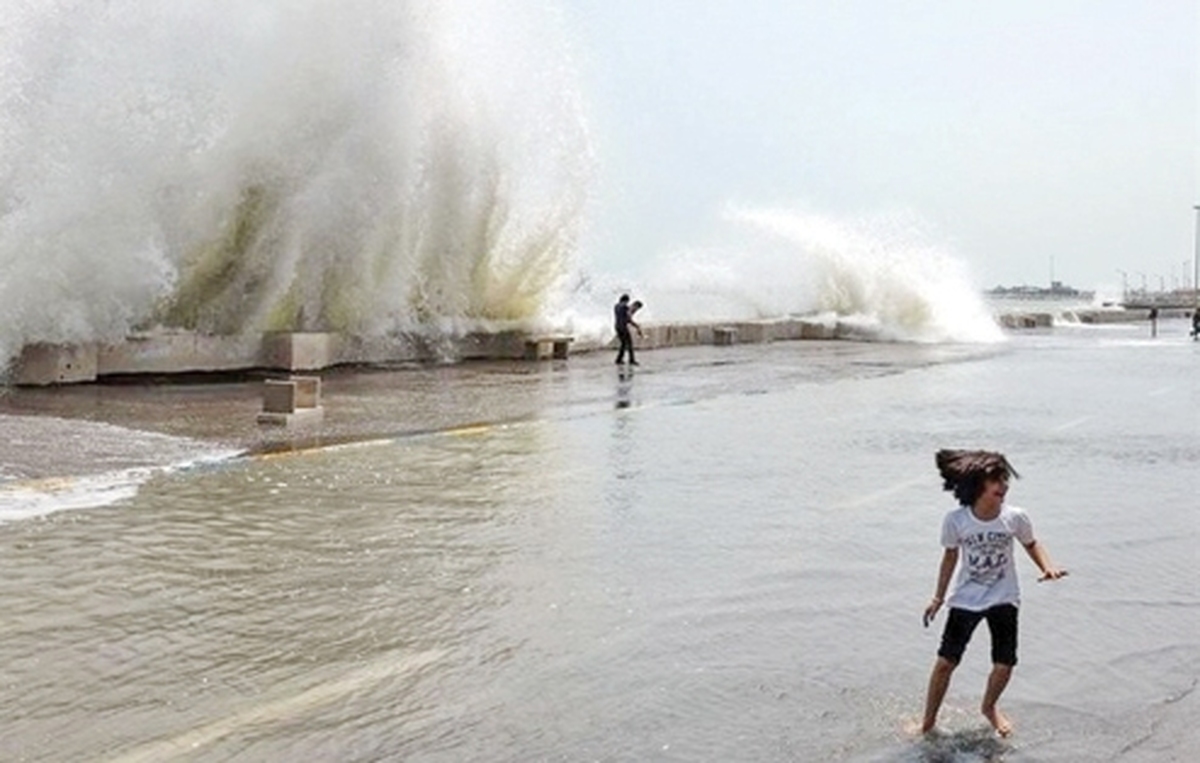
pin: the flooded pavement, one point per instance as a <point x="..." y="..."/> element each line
<point x="721" y="556"/>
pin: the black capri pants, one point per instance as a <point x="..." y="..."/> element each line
<point x="960" y="624"/>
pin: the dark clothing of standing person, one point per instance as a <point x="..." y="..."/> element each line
<point x="623" y="319"/>
<point x="1195" y="325"/>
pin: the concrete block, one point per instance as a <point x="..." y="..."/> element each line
<point x="672" y="335"/>
<point x="173" y="352"/>
<point x="308" y="391"/>
<point x="291" y="395"/>
<point x="291" y="401"/>
<point x="725" y="335"/>
<point x="43" y="364"/>
<point x="816" y="330"/>
<point x="752" y="331"/>
<point x="279" y="396"/>
<point x="535" y="350"/>
<point x="299" y="417"/>
<point x="783" y="330"/>
<point x="1113" y="316"/>
<point x="485" y="345"/>
<point x="682" y="335"/>
<point x="678" y="335"/>
<point x="653" y="336"/>
<point x="298" y="351"/>
<point x="546" y="347"/>
<point x="1026" y="320"/>
<point x="391" y="348"/>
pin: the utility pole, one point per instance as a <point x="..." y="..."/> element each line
<point x="1196" y="263"/>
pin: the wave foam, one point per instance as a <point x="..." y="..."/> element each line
<point x="362" y="166"/>
<point x="883" y="278"/>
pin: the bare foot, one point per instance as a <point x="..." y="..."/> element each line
<point x="999" y="721"/>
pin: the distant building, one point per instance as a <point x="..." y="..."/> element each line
<point x="1057" y="290"/>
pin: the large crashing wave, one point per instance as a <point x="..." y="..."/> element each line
<point x="884" y="278"/>
<point x="364" y="166"/>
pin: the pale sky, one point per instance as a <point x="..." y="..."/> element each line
<point x="1020" y="131"/>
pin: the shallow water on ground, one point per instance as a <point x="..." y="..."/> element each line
<point x="720" y="556"/>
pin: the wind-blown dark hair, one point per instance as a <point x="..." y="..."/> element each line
<point x="964" y="471"/>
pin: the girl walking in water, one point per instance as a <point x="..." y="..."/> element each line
<point x="977" y="540"/>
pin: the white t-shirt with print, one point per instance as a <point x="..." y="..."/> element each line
<point x="987" y="571"/>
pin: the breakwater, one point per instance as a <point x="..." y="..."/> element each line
<point x="1042" y="319"/>
<point x="175" y="353"/>
<point x="171" y="353"/>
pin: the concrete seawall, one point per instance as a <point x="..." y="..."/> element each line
<point x="1032" y="320"/>
<point x="176" y="353"/>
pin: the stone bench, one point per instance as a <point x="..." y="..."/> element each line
<point x="545" y="347"/>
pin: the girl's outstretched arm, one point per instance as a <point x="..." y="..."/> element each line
<point x="1037" y="552"/>
<point x="949" y="560"/>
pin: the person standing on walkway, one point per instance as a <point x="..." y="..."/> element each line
<point x="622" y="321"/>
